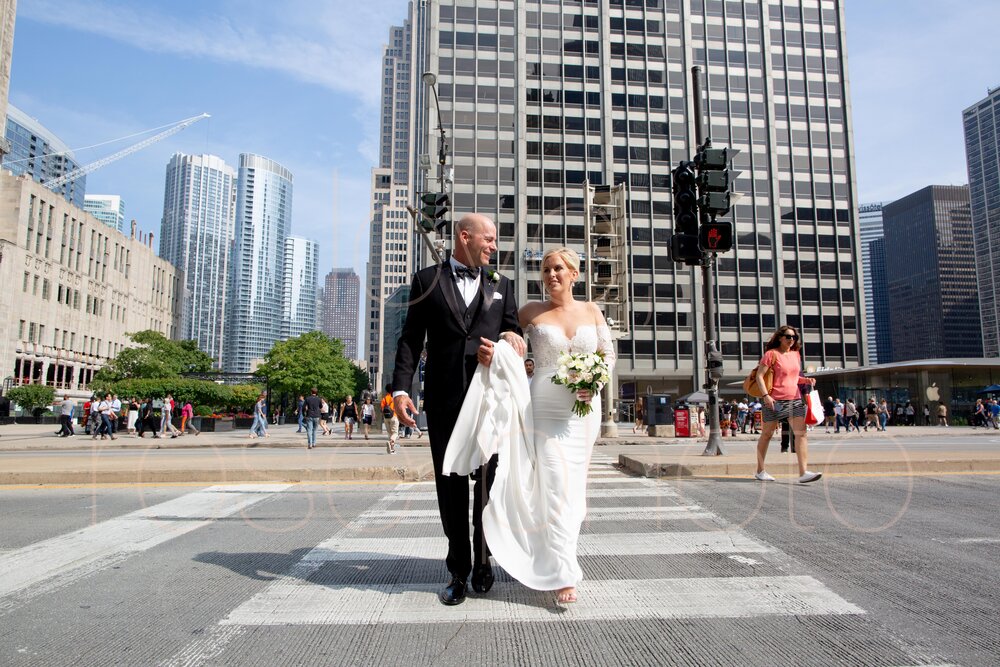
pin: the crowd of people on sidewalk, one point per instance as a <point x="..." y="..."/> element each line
<point x="314" y="415"/>
<point x="105" y="417"/>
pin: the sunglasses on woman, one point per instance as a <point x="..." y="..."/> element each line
<point x="790" y="336"/>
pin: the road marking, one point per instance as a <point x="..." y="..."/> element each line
<point x="744" y="560"/>
<point x="299" y="602"/>
<point x="60" y="560"/>
<point x="340" y="548"/>
<point x="654" y="491"/>
<point x="979" y="540"/>
<point x="594" y="515"/>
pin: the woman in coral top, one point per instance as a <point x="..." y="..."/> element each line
<point x="784" y="401"/>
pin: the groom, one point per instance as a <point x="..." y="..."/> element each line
<point x="460" y="308"/>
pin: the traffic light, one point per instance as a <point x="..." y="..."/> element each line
<point x="433" y="209"/>
<point x="715" y="180"/>
<point x="716" y="236"/>
<point x="684" y="242"/>
<point x="684" y="183"/>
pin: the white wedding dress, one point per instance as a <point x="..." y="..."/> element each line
<point x="539" y="497"/>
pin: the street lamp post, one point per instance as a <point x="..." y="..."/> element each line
<point x="430" y="79"/>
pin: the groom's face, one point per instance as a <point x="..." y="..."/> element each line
<point x="480" y="243"/>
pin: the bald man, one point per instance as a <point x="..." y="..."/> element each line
<point x="460" y="309"/>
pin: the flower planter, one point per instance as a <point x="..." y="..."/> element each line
<point x="213" y="424"/>
<point x="242" y="422"/>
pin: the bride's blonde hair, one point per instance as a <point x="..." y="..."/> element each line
<point x="570" y="257"/>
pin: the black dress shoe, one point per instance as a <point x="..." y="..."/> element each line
<point x="482" y="578"/>
<point x="453" y="593"/>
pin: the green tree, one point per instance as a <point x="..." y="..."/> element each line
<point x="310" y="360"/>
<point x="32" y="397"/>
<point x="155" y="356"/>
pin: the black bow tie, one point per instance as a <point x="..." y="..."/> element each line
<point x="466" y="272"/>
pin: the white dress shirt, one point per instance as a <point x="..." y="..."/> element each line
<point x="466" y="285"/>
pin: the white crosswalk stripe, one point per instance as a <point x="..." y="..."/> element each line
<point x="655" y="491"/>
<point x="60" y="560"/>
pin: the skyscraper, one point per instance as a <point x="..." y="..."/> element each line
<point x="8" y="13"/>
<point x="196" y="234"/>
<point x="391" y="251"/>
<point x="933" y="302"/>
<point x="301" y="282"/>
<point x="535" y="102"/>
<point x="109" y="209"/>
<point x="257" y="271"/>
<point x="982" y="150"/>
<point x="878" y="316"/>
<point x="341" y="297"/>
<point x="36" y="151"/>
<point x="870" y="219"/>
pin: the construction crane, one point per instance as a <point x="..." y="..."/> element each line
<point x="86" y="169"/>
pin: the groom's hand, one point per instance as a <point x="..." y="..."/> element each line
<point x="485" y="353"/>
<point x="400" y="405"/>
<point x="515" y="342"/>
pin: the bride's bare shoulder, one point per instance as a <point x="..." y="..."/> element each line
<point x="596" y="311"/>
<point x="530" y="311"/>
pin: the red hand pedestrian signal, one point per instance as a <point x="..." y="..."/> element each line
<point x="716" y="236"/>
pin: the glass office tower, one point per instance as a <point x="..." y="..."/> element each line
<point x="982" y="149"/>
<point x="538" y="98"/>
<point x="256" y="285"/>
<point x="341" y="296"/>
<point x="36" y="151"/>
<point x="301" y="282"/>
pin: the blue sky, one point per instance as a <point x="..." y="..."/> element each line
<point x="298" y="82"/>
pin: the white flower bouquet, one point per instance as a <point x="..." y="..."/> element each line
<point x="587" y="370"/>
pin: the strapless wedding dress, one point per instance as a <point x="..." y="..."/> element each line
<point x="539" y="497"/>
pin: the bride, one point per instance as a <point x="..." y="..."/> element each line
<point x="538" y="500"/>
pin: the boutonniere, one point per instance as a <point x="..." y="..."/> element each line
<point x="493" y="277"/>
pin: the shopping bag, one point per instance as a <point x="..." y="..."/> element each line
<point x="814" y="409"/>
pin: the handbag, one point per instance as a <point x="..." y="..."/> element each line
<point x="814" y="409"/>
<point x="750" y="386"/>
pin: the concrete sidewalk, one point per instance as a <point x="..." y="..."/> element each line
<point x="30" y="454"/>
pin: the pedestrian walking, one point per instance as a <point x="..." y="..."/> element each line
<point x="167" y="417"/>
<point x="66" y="409"/>
<point x="86" y="414"/>
<point x="742" y="411"/>
<point x="927" y="415"/>
<point x="883" y="414"/>
<point x="640" y="409"/>
<point x="942" y="415"/>
<point x="259" y="427"/>
<point x="390" y="419"/>
<point x="910" y="414"/>
<point x="104" y="412"/>
<point x="784" y="400"/>
<point x="187" y="417"/>
<point x="871" y="414"/>
<point x="115" y="414"/>
<point x="133" y="415"/>
<point x="300" y="406"/>
<point x="325" y="417"/>
<point x="367" y="415"/>
<point x="146" y="420"/>
<point x="94" y="417"/>
<point x="838" y="414"/>
<point x="995" y="413"/>
<point x="309" y="413"/>
<point x="829" y="412"/>
<point x="349" y="415"/>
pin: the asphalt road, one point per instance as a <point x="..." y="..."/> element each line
<point x="880" y="571"/>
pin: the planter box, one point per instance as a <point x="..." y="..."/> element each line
<point x="213" y="424"/>
<point x="242" y="422"/>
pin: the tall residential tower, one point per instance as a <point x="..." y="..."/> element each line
<point x="196" y="234"/>
<point x="257" y="271"/>
<point x="300" y="285"/>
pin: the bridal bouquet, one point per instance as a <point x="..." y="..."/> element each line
<point x="587" y="370"/>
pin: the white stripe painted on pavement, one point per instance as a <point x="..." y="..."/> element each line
<point x="595" y="514"/>
<point x="77" y="554"/>
<point x="659" y="491"/>
<point x="601" y="544"/>
<point x="297" y="602"/>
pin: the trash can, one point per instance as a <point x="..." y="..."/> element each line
<point x="659" y="411"/>
<point x="682" y="422"/>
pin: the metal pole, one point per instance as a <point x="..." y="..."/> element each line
<point x="711" y="386"/>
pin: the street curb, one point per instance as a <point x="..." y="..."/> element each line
<point x="216" y="476"/>
<point x="645" y="467"/>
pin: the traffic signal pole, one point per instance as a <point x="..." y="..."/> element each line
<point x="713" y="357"/>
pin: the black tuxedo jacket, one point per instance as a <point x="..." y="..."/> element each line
<point x="438" y="314"/>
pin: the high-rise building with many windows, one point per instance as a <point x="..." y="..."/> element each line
<point x="257" y="268"/>
<point x="870" y="221"/>
<point x="982" y="150"/>
<point x="538" y="98"/>
<point x="196" y="234"/>
<point x="341" y="298"/>
<point x="36" y="151"/>
<point x="933" y="302"/>
<point x="390" y="260"/>
<point x="877" y="314"/>
<point x="300" y="283"/>
<point x="109" y="209"/>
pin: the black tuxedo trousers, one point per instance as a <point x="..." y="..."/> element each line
<point x="439" y="318"/>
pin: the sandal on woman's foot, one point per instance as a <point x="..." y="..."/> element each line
<point x="566" y="595"/>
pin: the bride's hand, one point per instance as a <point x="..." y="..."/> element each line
<point x="584" y="395"/>
<point x="515" y="342"/>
